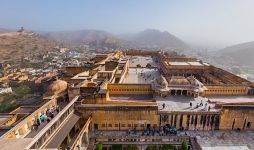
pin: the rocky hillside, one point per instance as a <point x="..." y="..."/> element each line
<point x="93" y="38"/>
<point x="150" y="39"/>
<point x="15" y="45"/>
<point x="240" y="53"/>
<point x="155" y="39"/>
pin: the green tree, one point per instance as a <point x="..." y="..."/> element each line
<point x="99" y="146"/>
<point x="22" y="90"/>
<point x="138" y="66"/>
<point x="185" y="146"/>
<point x="117" y="147"/>
<point x="167" y="147"/>
<point x="132" y="147"/>
<point x="152" y="147"/>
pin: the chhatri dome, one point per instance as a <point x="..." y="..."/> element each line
<point x="56" y="87"/>
<point x="178" y="80"/>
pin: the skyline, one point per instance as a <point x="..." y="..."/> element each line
<point x="205" y="23"/>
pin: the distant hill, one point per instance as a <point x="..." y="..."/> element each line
<point x="3" y="30"/>
<point x="240" y="53"/>
<point x="154" y="39"/>
<point x="150" y="38"/>
<point x="15" y="45"/>
<point x="94" y="38"/>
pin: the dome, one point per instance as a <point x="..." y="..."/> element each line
<point x="56" y="87"/>
<point x="178" y="80"/>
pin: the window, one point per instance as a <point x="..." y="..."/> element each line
<point x="248" y="124"/>
<point x="116" y="125"/>
<point x="122" y="125"/>
<point x="129" y="125"/>
<point x="103" y="125"/>
<point x="109" y="125"/>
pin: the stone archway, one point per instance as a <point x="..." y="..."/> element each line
<point x="173" y="92"/>
<point x="184" y="92"/>
<point x="179" y="92"/>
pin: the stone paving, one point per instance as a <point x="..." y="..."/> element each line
<point x="141" y="75"/>
<point x="224" y="140"/>
<point x="182" y="103"/>
<point x="141" y="60"/>
<point x="208" y="140"/>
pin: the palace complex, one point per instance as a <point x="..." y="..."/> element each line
<point x="132" y="97"/>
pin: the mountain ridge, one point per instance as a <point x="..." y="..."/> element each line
<point x="241" y="53"/>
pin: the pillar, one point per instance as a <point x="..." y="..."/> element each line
<point x="184" y="124"/>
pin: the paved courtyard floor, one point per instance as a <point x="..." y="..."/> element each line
<point x="224" y="140"/>
<point x="208" y="140"/>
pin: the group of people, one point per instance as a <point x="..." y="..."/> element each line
<point x="161" y="131"/>
<point x="45" y="117"/>
<point x="143" y="75"/>
<point x="201" y="105"/>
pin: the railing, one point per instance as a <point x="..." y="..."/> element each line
<point x="85" y="127"/>
<point x="27" y="119"/>
<point x="44" y="135"/>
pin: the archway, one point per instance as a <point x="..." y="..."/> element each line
<point x="173" y="92"/>
<point x="179" y="92"/>
<point x="184" y="92"/>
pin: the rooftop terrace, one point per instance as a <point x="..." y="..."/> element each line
<point x="182" y="104"/>
<point x="143" y="61"/>
<point x="141" y="75"/>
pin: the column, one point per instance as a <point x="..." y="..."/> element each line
<point x="169" y="119"/>
<point x="184" y="121"/>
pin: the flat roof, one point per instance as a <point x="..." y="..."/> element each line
<point x="182" y="104"/>
<point x="4" y="118"/>
<point x="14" y="144"/>
<point x="231" y="99"/>
<point x="82" y="75"/>
<point x="141" y="75"/>
<point x="141" y="60"/>
<point x="189" y="63"/>
<point x="25" y="110"/>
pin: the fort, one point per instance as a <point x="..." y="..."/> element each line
<point x="133" y="97"/>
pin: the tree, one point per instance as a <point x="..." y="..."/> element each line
<point x="22" y="90"/>
<point x="99" y="146"/>
<point x="138" y="66"/>
<point x="167" y="147"/>
<point x="185" y="146"/>
<point x="132" y="147"/>
<point x="152" y="147"/>
<point x="116" y="147"/>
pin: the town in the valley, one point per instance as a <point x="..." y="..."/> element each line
<point x="125" y="99"/>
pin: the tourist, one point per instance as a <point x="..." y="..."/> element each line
<point x="190" y="104"/>
<point x="42" y="118"/>
<point x="38" y="122"/>
<point x="57" y="109"/>
<point x="163" y="105"/>
<point x="35" y="125"/>
<point x="48" y="119"/>
<point x="134" y="130"/>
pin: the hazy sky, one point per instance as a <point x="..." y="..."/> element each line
<point x="214" y="23"/>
